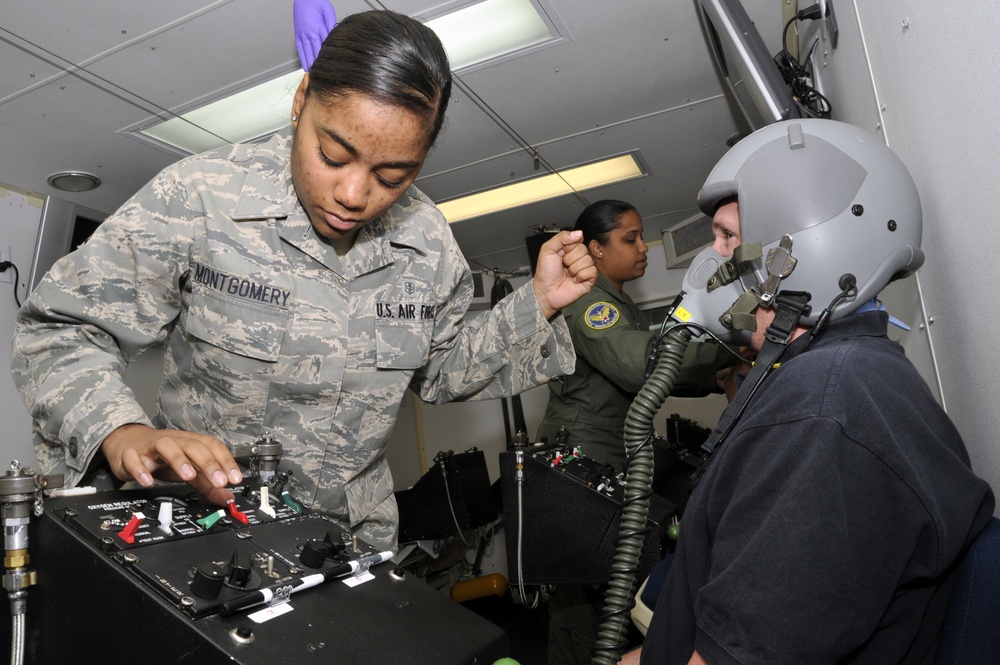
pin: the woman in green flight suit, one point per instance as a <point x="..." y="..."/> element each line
<point x="612" y="346"/>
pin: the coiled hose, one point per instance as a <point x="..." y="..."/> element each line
<point x="620" y="595"/>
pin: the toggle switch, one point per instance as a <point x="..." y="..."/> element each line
<point x="290" y="502"/>
<point x="128" y="533"/>
<point x="265" y="502"/>
<point x="165" y="516"/>
<point x="208" y="521"/>
<point x="236" y="513"/>
<point x="337" y="545"/>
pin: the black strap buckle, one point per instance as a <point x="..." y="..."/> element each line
<point x="791" y="306"/>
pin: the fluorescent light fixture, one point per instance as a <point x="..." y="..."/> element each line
<point x="476" y="33"/>
<point x="490" y="29"/>
<point x="567" y="181"/>
<point x="247" y="115"/>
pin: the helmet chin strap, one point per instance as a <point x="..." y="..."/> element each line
<point x="790" y="307"/>
<point x="780" y="264"/>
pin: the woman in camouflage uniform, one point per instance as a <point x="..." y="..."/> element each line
<point x="300" y="286"/>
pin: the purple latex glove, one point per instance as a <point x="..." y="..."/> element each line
<point x="313" y="21"/>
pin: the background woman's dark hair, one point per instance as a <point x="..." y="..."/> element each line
<point x="599" y="219"/>
<point x="390" y="57"/>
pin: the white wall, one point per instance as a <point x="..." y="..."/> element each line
<point x="925" y="75"/>
<point x="20" y="215"/>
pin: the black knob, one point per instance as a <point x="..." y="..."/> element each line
<point x="336" y="543"/>
<point x="238" y="570"/>
<point x="207" y="581"/>
<point x="314" y="553"/>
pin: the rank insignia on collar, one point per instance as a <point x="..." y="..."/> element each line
<point x="602" y="315"/>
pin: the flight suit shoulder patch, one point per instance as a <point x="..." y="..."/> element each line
<point x="602" y="315"/>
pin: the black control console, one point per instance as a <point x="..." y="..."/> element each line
<point x="562" y="514"/>
<point x="203" y="558"/>
<point x="159" y="575"/>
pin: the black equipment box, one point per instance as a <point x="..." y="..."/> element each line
<point x="454" y="494"/>
<point x="568" y="517"/>
<point x="157" y="599"/>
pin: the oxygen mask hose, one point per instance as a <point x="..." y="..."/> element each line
<point x="620" y="595"/>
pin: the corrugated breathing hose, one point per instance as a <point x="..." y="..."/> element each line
<point x="620" y="595"/>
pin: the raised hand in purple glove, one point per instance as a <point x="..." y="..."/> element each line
<point x="313" y="20"/>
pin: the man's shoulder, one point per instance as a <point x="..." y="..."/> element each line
<point x="835" y="377"/>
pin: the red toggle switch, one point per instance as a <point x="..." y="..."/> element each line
<point x="235" y="512"/>
<point x="128" y="533"/>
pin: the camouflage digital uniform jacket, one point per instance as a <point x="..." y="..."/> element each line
<point x="267" y="329"/>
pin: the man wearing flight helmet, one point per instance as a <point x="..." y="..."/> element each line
<point x="838" y="494"/>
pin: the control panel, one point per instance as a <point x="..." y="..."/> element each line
<point x="161" y="575"/>
<point x="567" y="460"/>
<point x="205" y="559"/>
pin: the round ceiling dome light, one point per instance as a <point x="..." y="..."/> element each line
<point x="74" y="181"/>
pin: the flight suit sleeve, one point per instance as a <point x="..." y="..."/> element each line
<point x="703" y="359"/>
<point x="96" y="310"/>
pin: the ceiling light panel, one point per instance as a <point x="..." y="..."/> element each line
<point x="475" y="35"/>
<point x="249" y="114"/>
<point x="560" y="183"/>
<point x="491" y="29"/>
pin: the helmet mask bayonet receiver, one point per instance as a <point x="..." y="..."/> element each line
<point x="818" y="199"/>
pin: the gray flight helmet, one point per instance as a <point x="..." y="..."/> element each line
<point x="841" y="196"/>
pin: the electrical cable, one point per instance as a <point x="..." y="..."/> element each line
<point x="512" y="133"/>
<point x="6" y="265"/>
<point x="620" y="595"/>
<point x="848" y="289"/>
<point x="498" y="273"/>
<point x="519" y="480"/>
<point x="501" y="289"/>
<point x="798" y="76"/>
<point x="701" y="330"/>
<point x="504" y="126"/>
<point x="76" y="68"/>
<point x="451" y="506"/>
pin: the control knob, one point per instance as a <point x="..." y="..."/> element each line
<point x="207" y="581"/>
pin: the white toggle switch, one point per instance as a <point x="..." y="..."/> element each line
<point x="265" y="502"/>
<point x="165" y="516"/>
